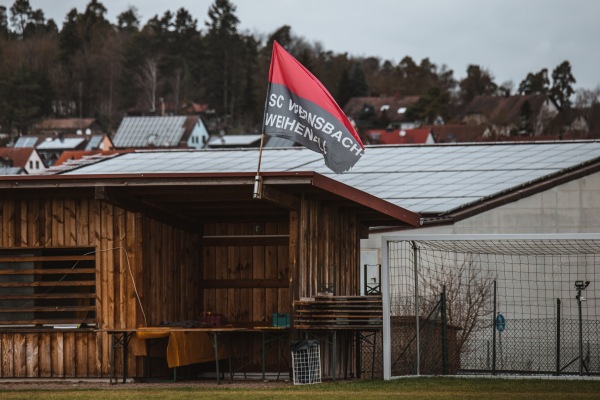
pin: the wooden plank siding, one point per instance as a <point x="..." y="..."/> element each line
<point x="73" y="222"/>
<point x="176" y="275"/>
<point x="47" y="354"/>
<point x="328" y="249"/>
<point x="223" y="265"/>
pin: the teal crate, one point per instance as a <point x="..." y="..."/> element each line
<point x="280" y="319"/>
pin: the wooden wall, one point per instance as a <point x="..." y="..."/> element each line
<point x="244" y="282"/>
<point x="77" y="222"/>
<point x="55" y="354"/>
<point x="177" y="274"/>
<point x="328" y="250"/>
<point x="170" y="273"/>
<point x="328" y="255"/>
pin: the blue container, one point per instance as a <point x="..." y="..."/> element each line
<point x="280" y="319"/>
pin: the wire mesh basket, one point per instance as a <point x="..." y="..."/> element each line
<point x="306" y="362"/>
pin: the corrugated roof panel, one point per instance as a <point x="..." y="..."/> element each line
<point x="433" y="178"/>
<point x="58" y="144"/>
<point x="26" y="141"/>
<point x="94" y="142"/>
<point x="157" y="131"/>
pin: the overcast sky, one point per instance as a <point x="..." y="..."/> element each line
<point x="509" y="38"/>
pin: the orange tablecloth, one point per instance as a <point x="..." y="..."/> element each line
<point x="185" y="346"/>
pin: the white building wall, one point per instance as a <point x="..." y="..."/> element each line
<point x="573" y="207"/>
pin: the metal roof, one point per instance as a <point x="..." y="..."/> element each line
<point x="60" y="144"/>
<point x="156" y="131"/>
<point x="427" y="179"/>
<point x="94" y="142"/>
<point x="234" y="141"/>
<point x="26" y="141"/>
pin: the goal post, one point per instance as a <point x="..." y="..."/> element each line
<point x="508" y="306"/>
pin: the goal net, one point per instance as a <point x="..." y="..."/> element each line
<point x="493" y="306"/>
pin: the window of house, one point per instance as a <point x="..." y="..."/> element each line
<point x="30" y="164"/>
<point x="48" y="287"/>
<point x="37" y="165"/>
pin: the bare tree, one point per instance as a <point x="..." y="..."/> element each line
<point x="175" y="82"/>
<point x="468" y="294"/>
<point x="147" y="80"/>
<point x="587" y="97"/>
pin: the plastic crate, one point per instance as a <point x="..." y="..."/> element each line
<point x="280" y="319"/>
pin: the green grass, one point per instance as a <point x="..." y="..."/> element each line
<point x="411" y="388"/>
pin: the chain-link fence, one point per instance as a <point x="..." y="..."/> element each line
<point x="494" y="307"/>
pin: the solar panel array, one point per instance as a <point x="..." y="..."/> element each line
<point x="158" y="131"/>
<point x="94" y="142"/>
<point x="424" y="179"/>
<point x="58" y="144"/>
<point x="26" y="141"/>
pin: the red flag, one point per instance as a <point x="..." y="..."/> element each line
<point x="299" y="108"/>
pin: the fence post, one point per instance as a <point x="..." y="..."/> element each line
<point x="417" y="322"/>
<point x="557" y="337"/>
<point x="494" y="334"/>
<point x="444" y="332"/>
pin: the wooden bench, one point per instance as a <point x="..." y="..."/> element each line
<point x="339" y="312"/>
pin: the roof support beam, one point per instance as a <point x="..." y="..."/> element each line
<point x="117" y="199"/>
<point x="279" y="198"/>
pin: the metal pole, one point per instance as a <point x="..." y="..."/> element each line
<point x="386" y="296"/>
<point x="494" y="334"/>
<point x="580" y="333"/>
<point x="444" y="333"/>
<point x="415" y="264"/>
<point x="557" y="337"/>
<point x="257" y="179"/>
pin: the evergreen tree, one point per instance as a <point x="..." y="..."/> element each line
<point x="538" y="83"/>
<point x="3" y="21"/>
<point x="223" y="45"/>
<point x="430" y="106"/>
<point x="478" y="82"/>
<point x="20" y="13"/>
<point x="129" y="21"/>
<point x="25" y="97"/>
<point x="353" y="83"/>
<point x="562" y="85"/>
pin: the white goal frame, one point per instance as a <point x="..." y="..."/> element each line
<point x="409" y="236"/>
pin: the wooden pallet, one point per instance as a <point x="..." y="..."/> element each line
<point x="338" y="313"/>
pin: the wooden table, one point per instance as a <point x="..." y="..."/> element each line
<point x="121" y="338"/>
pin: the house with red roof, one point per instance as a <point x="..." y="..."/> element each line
<point x="513" y="115"/>
<point x="400" y="136"/>
<point x="383" y="111"/>
<point x="20" y="161"/>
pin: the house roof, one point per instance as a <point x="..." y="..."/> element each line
<point x="74" y="155"/>
<point x="27" y="141"/>
<point x="65" y="143"/>
<point x="432" y="180"/>
<point x="19" y="156"/>
<point x="401" y="136"/>
<point x="234" y="141"/>
<point x="394" y="107"/>
<point x="456" y="133"/>
<point x="501" y="110"/>
<point x="65" y="124"/>
<point x="154" y="131"/>
<point x="7" y="171"/>
<point x="190" y="199"/>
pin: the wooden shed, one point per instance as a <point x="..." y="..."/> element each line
<point x="85" y="253"/>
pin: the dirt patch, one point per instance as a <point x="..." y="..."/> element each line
<point x="104" y="385"/>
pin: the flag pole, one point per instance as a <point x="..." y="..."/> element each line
<point x="257" y="178"/>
